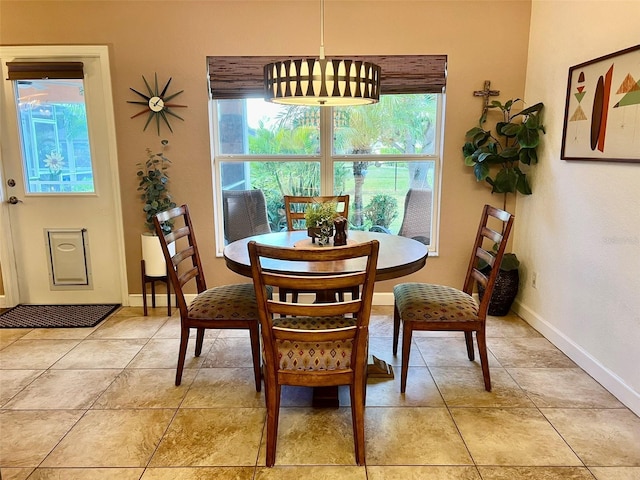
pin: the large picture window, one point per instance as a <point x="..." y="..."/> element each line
<point x="386" y="157"/>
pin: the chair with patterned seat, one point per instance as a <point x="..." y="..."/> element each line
<point x="226" y="306"/>
<point x="315" y="344"/>
<point x="423" y="306"/>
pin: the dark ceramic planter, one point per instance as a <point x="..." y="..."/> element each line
<point x="504" y="292"/>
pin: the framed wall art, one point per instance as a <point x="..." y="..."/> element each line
<point x="602" y="111"/>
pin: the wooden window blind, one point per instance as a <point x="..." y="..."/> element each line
<point x="44" y="70"/>
<point x="241" y="77"/>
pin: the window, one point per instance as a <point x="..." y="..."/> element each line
<point x="53" y="127"/>
<point x="386" y="157"/>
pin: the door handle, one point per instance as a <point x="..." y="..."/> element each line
<point x="14" y="200"/>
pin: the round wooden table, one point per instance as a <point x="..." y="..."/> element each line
<point x="398" y="256"/>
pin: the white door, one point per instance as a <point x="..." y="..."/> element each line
<point x="61" y="238"/>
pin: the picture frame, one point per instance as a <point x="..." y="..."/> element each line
<point x="602" y="110"/>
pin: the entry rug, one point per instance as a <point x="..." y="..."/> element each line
<point x="56" y="316"/>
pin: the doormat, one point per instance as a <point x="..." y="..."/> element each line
<point x="56" y="316"/>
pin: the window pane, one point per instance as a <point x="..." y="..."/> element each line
<point x="378" y="191"/>
<point x="256" y="127"/>
<point x="54" y="135"/>
<point x="275" y="179"/>
<point x="397" y="125"/>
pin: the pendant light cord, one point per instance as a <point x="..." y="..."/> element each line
<point x="321" y="29"/>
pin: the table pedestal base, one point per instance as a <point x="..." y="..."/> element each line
<point x="378" y="368"/>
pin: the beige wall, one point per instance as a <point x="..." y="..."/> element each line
<point x="581" y="231"/>
<point x="173" y="38"/>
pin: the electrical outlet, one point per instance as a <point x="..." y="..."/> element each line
<point x="534" y="280"/>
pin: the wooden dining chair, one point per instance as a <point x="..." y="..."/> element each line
<point x="425" y="306"/>
<point x="295" y="207"/>
<point x="315" y="344"/>
<point x="227" y="306"/>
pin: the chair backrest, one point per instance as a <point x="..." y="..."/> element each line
<point x="184" y="265"/>
<point x="245" y="214"/>
<point x="362" y="260"/>
<point x="416" y="222"/>
<point x="295" y="207"/>
<point x="488" y="250"/>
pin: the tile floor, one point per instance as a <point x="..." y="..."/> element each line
<point x="99" y="403"/>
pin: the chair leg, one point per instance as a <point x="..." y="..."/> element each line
<point x="484" y="358"/>
<point x="199" y="341"/>
<point x="254" y="335"/>
<point x="144" y="288"/>
<point x="357" y="416"/>
<point x="468" y="336"/>
<point x="184" y="340"/>
<point x="407" y="332"/>
<point x="396" y="329"/>
<point x="272" y="396"/>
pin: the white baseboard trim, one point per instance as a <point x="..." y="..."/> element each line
<point x="3" y="301"/>
<point x="608" y="379"/>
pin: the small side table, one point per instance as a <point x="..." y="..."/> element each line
<point x="152" y="280"/>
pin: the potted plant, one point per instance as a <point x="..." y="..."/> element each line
<point x="156" y="198"/>
<point x="319" y="218"/>
<point x="496" y="154"/>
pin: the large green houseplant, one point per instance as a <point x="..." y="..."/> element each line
<point x="153" y="183"/>
<point x="496" y="153"/>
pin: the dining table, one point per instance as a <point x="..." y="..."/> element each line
<point x="398" y="256"/>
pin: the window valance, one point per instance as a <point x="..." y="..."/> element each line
<point x="40" y="70"/>
<point x="241" y="77"/>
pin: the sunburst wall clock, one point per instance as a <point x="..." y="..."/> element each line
<point x="157" y="104"/>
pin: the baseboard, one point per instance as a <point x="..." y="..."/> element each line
<point x="608" y="379"/>
<point x="3" y="301"/>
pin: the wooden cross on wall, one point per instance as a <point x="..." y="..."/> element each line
<point x="486" y="93"/>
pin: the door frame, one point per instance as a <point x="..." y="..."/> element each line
<point x="7" y="258"/>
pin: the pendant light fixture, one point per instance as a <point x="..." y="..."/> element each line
<point x="320" y="81"/>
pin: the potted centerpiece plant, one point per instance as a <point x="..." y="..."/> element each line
<point x="153" y="183"/>
<point x="496" y="154"/>
<point x="319" y="218"/>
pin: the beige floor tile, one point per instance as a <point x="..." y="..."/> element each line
<point x="145" y="388"/>
<point x="28" y="436"/>
<point x="229" y="352"/>
<point x="199" y="473"/>
<point x="12" y="381"/>
<point x="101" y="353"/>
<point x="563" y="388"/>
<point x="528" y="352"/>
<point x="59" y="333"/>
<point x="413" y="436"/>
<point x="535" y="473"/>
<point x="163" y="353"/>
<point x="509" y="326"/>
<point x="449" y="352"/>
<point x="111" y="438"/>
<point x="308" y="436"/>
<point x="34" y="354"/>
<point x="64" y="389"/>
<point x="600" y="437"/>
<point x="616" y="473"/>
<point x="421" y="390"/>
<point x="15" y="473"/>
<point x="381" y="325"/>
<point x="512" y="436"/>
<point x="171" y="329"/>
<point x="128" y="327"/>
<point x="86" y="474"/>
<point x="211" y="437"/>
<point x="313" y="472"/>
<point x="381" y="347"/>
<point x="422" y="473"/>
<point x="224" y="388"/>
<point x="464" y="387"/>
<point x="10" y="335"/>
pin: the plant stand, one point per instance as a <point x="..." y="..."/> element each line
<point x="152" y="280"/>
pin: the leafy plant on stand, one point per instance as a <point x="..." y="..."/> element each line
<point x="496" y="155"/>
<point x="153" y="184"/>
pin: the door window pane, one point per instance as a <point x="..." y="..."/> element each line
<point x="55" y="142"/>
